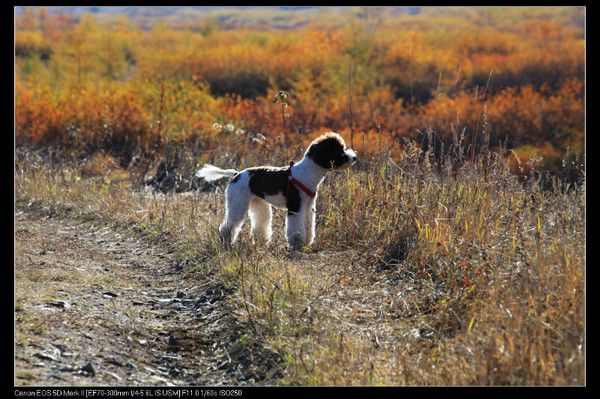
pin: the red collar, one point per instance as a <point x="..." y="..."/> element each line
<point x="292" y="179"/>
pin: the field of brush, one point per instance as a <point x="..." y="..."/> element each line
<point x="452" y="253"/>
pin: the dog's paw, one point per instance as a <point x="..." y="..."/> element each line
<point x="292" y="254"/>
<point x="296" y="242"/>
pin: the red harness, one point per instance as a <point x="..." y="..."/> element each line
<point x="292" y="179"/>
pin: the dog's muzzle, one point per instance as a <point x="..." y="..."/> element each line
<point x="351" y="156"/>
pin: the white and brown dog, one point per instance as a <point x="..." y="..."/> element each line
<point x="294" y="188"/>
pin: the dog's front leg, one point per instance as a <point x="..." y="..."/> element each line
<point x="296" y="229"/>
<point x="311" y="219"/>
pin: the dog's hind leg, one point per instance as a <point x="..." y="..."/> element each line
<point x="237" y="203"/>
<point x="260" y="219"/>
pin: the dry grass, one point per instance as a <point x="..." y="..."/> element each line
<point x="423" y="273"/>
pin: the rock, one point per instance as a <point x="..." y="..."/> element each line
<point x="179" y="266"/>
<point x="88" y="370"/>
<point x="115" y="376"/>
<point x="55" y="376"/>
<point x="61" y="348"/>
<point x="223" y="365"/>
<point x="169" y="358"/>
<point x="175" y="370"/>
<point x="131" y="366"/>
<point x="113" y="360"/>
<point x="194" y="374"/>
<point x="59" y="304"/>
<point x="173" y="341"/>
<point x="45" y="356"/>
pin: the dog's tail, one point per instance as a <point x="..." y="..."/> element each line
<point x="211" y="173"/>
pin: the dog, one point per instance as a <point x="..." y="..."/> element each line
<point x="294" y="188"/>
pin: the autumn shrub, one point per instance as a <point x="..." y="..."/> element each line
<point x="512" y="116"/>
<point x="82" y="120"/>
<point x="499" y="77"/>
<point x="37" y="120"/>
<point x="32" y="44"/>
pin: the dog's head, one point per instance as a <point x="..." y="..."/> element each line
<point x="329" y="151"/>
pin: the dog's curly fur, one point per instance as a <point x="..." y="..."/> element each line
<point x="255" y="190"/>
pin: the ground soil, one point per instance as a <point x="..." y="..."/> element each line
<point x="98" y="304"/>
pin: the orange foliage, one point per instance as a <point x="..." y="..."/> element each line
<point x="518" y="116"/>
<point x="96" y="84"/>
<point x="81" y="118"/>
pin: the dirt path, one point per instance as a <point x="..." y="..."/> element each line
<point x="98" y="305"/>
